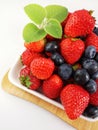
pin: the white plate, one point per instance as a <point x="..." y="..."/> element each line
<point x="14" y="79"/>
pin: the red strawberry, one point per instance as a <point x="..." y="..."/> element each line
<point x="94" y="97"/>
<point x="65" y="21"/>
<point x="72" y="49"/>
<point x="92" y="39"/>
<point x="28" y="80"/>
<point x="74" y="99"/>
<point x="35" y="46"/>
<point x="27" y="56"/>
<point x="25" y="71"/>
<point x="80" y="23"/>
<point x="42" y="68"/>
<point x="52" y="86"/>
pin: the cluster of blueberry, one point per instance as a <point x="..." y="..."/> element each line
<point x="86" y="75"/>
<point x="90" y="62"/>
<point x="89" y="71"/>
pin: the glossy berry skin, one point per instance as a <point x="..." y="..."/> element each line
<point x="74" y="99"/>
<point x="96" y="57"/>
<point x="81" y="76"/>
<point x="52" y="86"/>
<point x="94" y="98"/>
<point x="27" y="56"/>
<point x="80" y="23"/>
<point x="95" y="76"/>
<point x="91" y="86"/>
<point x="65" y="71"/>
<point x="42" y="68"/>
<point x="51" y="46"/>
<point x="95" y="30"/>
<point x="92" y="39"/>
<point x="35" y="46"/>
<point x="90" y="52"/>
<point x="57" y="58"/>
<point x="82" y="59"/>
<point x="91" y="111"/>
<point x="72" y="50"/>
<point x="28" y="80"/>
<point x="91" y="66"/>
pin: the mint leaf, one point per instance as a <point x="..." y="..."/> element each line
<point x="32" y="33"/>
<point x="35" y="12"/>
<point x="57" y="12"/>
<point x="53" y="27"/>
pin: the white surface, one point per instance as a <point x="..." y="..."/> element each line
<point x="15" y="113"/>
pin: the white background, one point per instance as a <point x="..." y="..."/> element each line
<point x="15" y="113"/>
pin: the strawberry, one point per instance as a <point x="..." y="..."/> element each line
<point x="72" y="49"/>
<point x="28" y="80"/>
<point x="65" y="21"/>
<point x="42" y="68"/>
<point x="94" y="97"/>
<point x="25" y="71"/>
<point x="35" y="46"/>
<point x="27" y="56"/>
<point x="80" y="23"/>
<point x="74" y="99"/>
<point x="92" y="39"/>
<point x="52" y="86"/>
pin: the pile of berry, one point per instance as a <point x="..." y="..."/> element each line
<point x="67" y="68"/>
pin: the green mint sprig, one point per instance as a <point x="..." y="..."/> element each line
<point x="45" y="20"/>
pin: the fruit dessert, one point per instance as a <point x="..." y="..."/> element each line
<point x="61" y="57"/>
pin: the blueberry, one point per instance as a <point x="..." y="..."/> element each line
<point x="96" y="30"/>
<point x="90" y="65"/>
<point x="81" y="76"/>
<point x="82" y="59"/>
<point x="65" y="71"/>
<point x="57" y="58"/>
<point x="51" y="46"/>
<point x="91" y="111"/>
<point x="90" y="52"/>
<point x="96" y="57"/>
<point x="95" y="75"/>
<point x="91" y="86"/>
